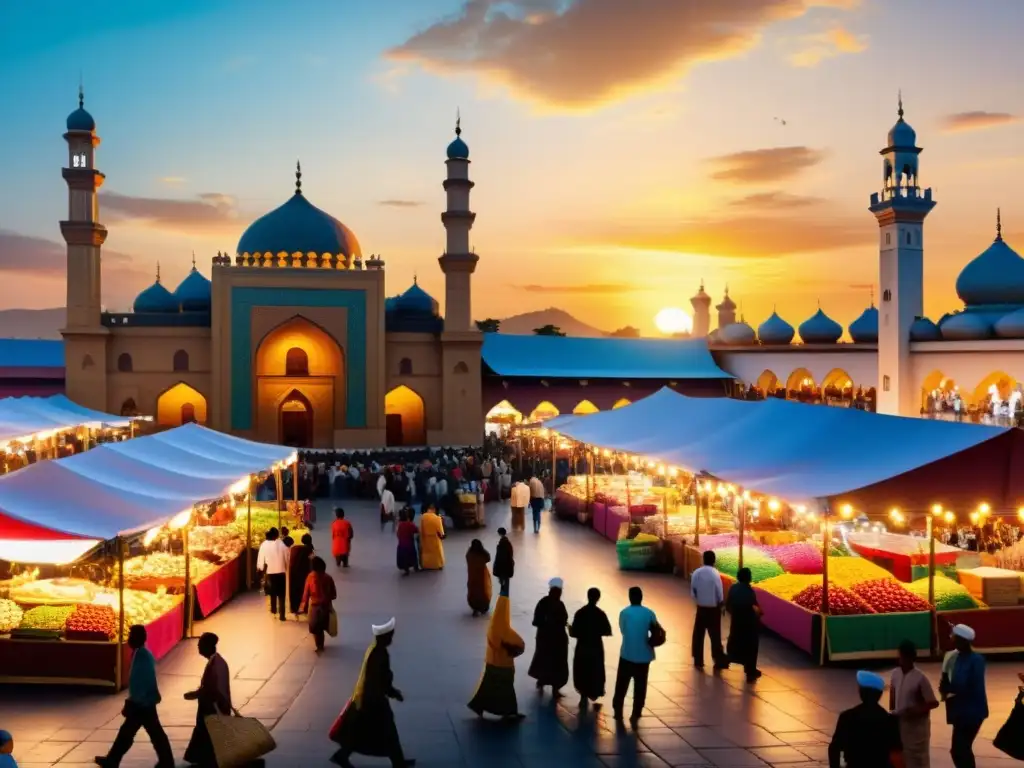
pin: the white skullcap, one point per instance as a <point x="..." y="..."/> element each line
<point x="383" y="629"/>
<point x="555" y="583"/>
<point x="867" y="679"/>
<point x="962" y="630"/>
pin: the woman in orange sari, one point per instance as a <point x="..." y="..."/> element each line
<point x="496" y="693"/>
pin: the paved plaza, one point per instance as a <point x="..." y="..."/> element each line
<point x="693" y="718"/>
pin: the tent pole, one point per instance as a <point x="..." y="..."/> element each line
<point x="188" y="579"/>
<point x="931" y="575"/>
<point x="589" y="459"/>
<point x="279" y="485"/>
<point x="120" y="614"/>
<point x="743" y="519"/>
<point x="295" y="482"/>
<point x="248" y="534"/>
<point x="824" y="585"/>
<point x="696" y="517"/>
<point x="519" y="449"/>
<point x="554" y="465"/>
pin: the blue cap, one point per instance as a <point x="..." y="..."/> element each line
<point x="867" y="679"/>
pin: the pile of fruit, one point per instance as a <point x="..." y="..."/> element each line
<point x="848" y="571"/>
<point x="888" y="596"/>
<point x="950" y="595"/>
<point x="48" y="617"/>
<point x="223" y="541"/>
<point x="841" y="602"/>
<point x="91" y="622"/>
<point x="789" y="584"/>
<point x="10" y="615"/>
<point x="161" y="565"/>
<point x="727" y="561"/>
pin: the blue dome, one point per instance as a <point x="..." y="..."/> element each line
<point x="298" y="226"/>
<point x="994" y="277"/>
<point x="902" y="135"/>
<point x="80" y="120"/>
<point x="416" y="300"/>
<point x="458" y="149"/>
<point x="391" y="303"/>
<point x="1010" y="326"/>
<point x="820" y="329"/>
<point x="775" y="330"/>
<point x="923" y="329"/>
<point x="193" y="294"/>
<point x="156" y="298"/>
<point x="864" y="330"/>
<point x="965" y="326"/>
<point x="737" y="333"/>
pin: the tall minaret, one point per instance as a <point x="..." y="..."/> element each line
<point x="458" y="261"/>
<point x="900" y="208"/>
<point x="701" y="304"/>
<point x="726" y="311"/>
<point x="85" y="338"/>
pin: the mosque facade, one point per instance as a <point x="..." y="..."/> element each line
<point x="291" y="340"/>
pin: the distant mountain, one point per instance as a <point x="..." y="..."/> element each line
<point x="523" y="325"/>
<point x="31" y="323"/>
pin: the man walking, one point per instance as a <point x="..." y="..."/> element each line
<point x="504" y="560"/>
<point x="536" y="500"/>
<point x="635" y="623"/>
<point x="706" y="589"/>
<point x="272" y="561"/>
<point x="140" y="707"/>
<point x="520" y="500"/>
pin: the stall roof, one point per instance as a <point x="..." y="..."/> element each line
<point x="572" y="357"/>
<point x="210" y="442"/>
<point x="23" y="416"/>
<point x="802" y="452"/>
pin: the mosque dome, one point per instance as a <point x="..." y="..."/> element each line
<point x="80" y="120"/>
<point x="820" y="329"/>
<point x="1010" y="326"/>
<point x="965" y="326"/>
<point x="156" y="298"/>
<point x="416" y="300"/>
<point x="775" y="330"/>
<point x="714" y="337"/>
<point x="901" y="134"/>
<point x="193" y="293"/>
<point x="994" y="277"/>
<point x="864" y="330"/>
<point x="727" y="303"/>
<point x="458" y="149"/>
<point x="391" y="303"/>
<point x="923" y="329"/>
<point x="298" y="226"/>
<point x="737" y="334"/>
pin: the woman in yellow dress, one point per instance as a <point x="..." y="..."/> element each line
<point x="431" y="534"/>
<point x="496" y="692"/>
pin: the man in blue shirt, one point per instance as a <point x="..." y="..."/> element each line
<point x="140" y="707"/>
<point x="963" y="687"/>
<point x="635" y="623"/>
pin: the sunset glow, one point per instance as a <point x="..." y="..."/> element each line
<point x="673" y="320"/>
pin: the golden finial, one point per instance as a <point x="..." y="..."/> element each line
<point x="158" y="272"/>
<point x="900" y="102"/>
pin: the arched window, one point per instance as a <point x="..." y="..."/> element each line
<point x="87" y="362"/>
<point x="181" y="360"/>
<point x="128" y="407"/>
<point x="461" y="367"/>
<point x="296" y="362"/>
<point x="124" y="363"/>
<point x="405" y="367"/>
<point x="188" y="413"/>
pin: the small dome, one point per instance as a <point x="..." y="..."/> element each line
<point x="775" y="330"/>
<point x="701" y="297"/>
<point x="864" y="330"/>
<point x="994" y="277"/>
<point x="416" y="300"/>
<point x="923" y="329"/>
<point x="820" y="329"/>
<point x="156" y="298"/>
<point x="391" y="303"/>
<point x="193" y="294"/>
<point x="1010" y="326"/>
<point x="80" y="120"/>
<point x="902" y="135"/>
<point x="458" y="150"/>
<point x="714" y="337"/>
<point x="965" y="326"/>
<point x="737" y="334"/>
<point x="727" y="303"/>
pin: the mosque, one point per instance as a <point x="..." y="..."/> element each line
<point x="292" y="339"/>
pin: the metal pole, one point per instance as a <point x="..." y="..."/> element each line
<point x="120" y="613"/>
<point x="743" y="520"/>
<point x="824" y="565"/>
<point x="188" y="579"/>
<point x="931" y="562"/>
<point x="295" y="483"/>
<point x="248" y="533"/>
<point x="279" y="483"/>
<point x="696" y="520"/>
<point x="554" y="465"/>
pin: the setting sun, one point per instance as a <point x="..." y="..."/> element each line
<point x="673" y="320"/>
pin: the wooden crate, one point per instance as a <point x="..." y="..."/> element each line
<point x="993" y="586"/>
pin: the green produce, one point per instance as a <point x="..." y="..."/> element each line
<point x="949" y="595"/>
<point x="727" y="561"/>
<point x="51" y="617"/>
<point x="10" y="615"/>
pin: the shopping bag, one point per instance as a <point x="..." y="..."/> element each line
<point x="332" y="623"/>
<point x="1010" y="738"/>
<point x="334" y="734"/>
<point x="658" y="636"/>
<point x="237" y="740"/>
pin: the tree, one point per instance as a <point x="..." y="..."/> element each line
<point x="549" y="330"/>
<point x="490" y="325"/>
<point x="627" y="332"/>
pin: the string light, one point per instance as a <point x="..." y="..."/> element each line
<point x="773" y="505"/>
<point x="950" y="517"/>
<point x="936" y="509"/>
<point x="846" y="511"/>
<point x="975" y="517"/>
<point x="984" y="508"/>
<point x="1020" y="513"/>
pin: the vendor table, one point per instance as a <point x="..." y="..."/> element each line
<point x="997" y="630"/>
<point x="876" y="635"/>
<point x="219" y="587"/>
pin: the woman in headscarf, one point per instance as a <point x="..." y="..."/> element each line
<point x="431" y="534"/>
<point x="366" y="726"/>
<point x="590" y="626"/>
<point x="745" y="627"/>
<point x="406" y="532"/>
<point x="496" y="693"/>
<point x="298" y="569"/>
<point x="478" y="580"/>
<point x="550" y="665"/>
<point x="318" y="596"/>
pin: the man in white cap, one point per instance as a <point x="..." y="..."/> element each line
<point x="550" y="665"/>
<point x="866" y="735"/>
<point x="963" y="687"/>
<point x="366" y="725"/>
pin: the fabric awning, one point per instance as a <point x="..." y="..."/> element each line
<point x="25" y="416"/>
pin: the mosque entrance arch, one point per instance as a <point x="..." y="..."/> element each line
<point x="404" y="417"/>
<point x="937" y="395"/>
<point x="800" y="385"/>
<point x="180" y="404"/>
<point x="767" y="383"/>
<point x="296" y="420"/>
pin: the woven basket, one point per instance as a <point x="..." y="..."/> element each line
<point x="237" y="741"/>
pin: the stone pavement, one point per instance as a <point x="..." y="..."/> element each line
<point x="693" y="718"/>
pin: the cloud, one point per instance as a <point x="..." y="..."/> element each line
<point x="592" y="289"/>
<point x="835" y="42"/>
<point x="775" y="201"/>
<point x="400" y="203"/>
<point x="173" y="180"/>
<point x="582" y="54"/>
<point x="764" y="165"/>
<point x="977" y="121"/>
<point x="210" y="212"/>
<point x="25" y="253"/>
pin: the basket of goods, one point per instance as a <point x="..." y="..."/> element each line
<point x="54" y="592"/>
<point x="888" y="596"/>
<point x="91" y="622"/>
<point x="44" y="622"/>
<point x="638" y="553"/>
<point x="10" y="615"/>
<point x="841" y="602"/>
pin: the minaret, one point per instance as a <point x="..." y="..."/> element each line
<point x="85" y="337"/>
<point x="458" y="261"/>
<point x="701" y="304"/>
<point x="726" y="311"/>
<point x="900" y="209"/>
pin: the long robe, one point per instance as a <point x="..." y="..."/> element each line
<point x="478" y="580"/>
<point x="590" y="626"/>
<point x="504" y="560"/>
<point x="341" y="537"/>
<point x="431" y="549"/>
<point x="367" y="724"/>
<point x="550" y="665"/>
<point x="298" y="570"/>
<point x="496" y="693"/>
<point x="744" y="626"/>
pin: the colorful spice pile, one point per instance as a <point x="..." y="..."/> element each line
<point x="949" y="595"/>
<point x="841" y="602"/>
<point x="802" y="557"/>
<point x="847" y="571"/>
<point x="789" y="584"/>
<point x="91" y="622"/>
<point x="888" y="596"/>
<point x="727" y="561"/>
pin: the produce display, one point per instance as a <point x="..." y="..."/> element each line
<point x="888" y="596"/>
<point x="727" y="561"/>
<point x="841" y="602"/>
<point x="10" y="615"/>
<point x="950" y="595"/>
<point x="91" y="622"/>
<point x="62" y="591"/>
<point x="848" y="571"/>
<point x="799" y="558"/>
<point x="162" y="565"/>
<point x="789" y="584"/>
<point x="47" y="617"/>
<point x="221" y="541"/>
<point x="139" y="607"/>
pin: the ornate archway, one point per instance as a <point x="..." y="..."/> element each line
<point x="295" y="415"/>
<point x="180" y="404"/>
<point x="800" y="384"/>
<point x="622" y="402"/>
<point x="997" y="384"/>
<point x="404" y="417"/>
<point x="544" y="410"/>
<point x="936" y="390"/>
<point x="767" y="383"/>
<point x="585" y="408"/>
